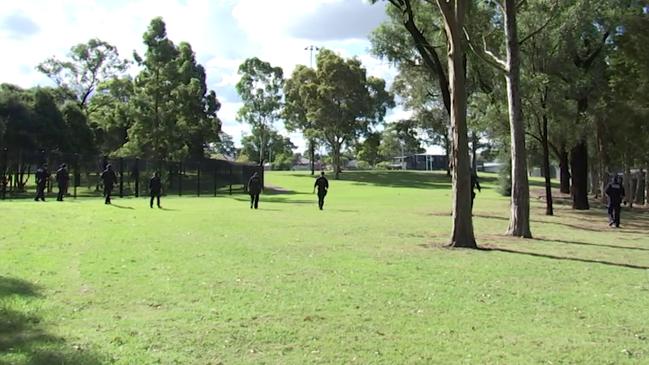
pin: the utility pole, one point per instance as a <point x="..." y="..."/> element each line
<point x="312" y="48"/>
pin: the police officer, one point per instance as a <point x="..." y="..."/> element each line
<point x="109" y="179"/>
<point x="254" y="189"/>
<point x="62" y="179"/>
<point x="615" y="193"/>
<point x="323" y="186"/>
<point x="42" y="175"/>
<point x="155" y="189"/>
<point x="474" y="184"/>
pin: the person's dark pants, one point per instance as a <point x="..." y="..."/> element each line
<point x="108" y="189"/>
<point x="614" y="215"/>
<point x="155" y="195"/>
<point x="62" y="190"/>
<point x="321" y="196"/>
<point x="254" y="201"/>
<point x="40" y="192"/>
<point x="472" y="198"/>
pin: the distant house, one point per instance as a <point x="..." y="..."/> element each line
<point x="420" y="161"/>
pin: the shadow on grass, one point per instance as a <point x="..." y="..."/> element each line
<point x="590" y="244"/>
<point x="24" y="340"/>
<point x="564" y="258"/>
<point x="120" y="206"/>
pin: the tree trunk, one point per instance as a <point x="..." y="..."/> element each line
<point x="579" y="169"/>
<point x="336" y="160"/>
<point x="602" y="155"/>
<point x="519" y="222"/>
<point x="549" y="209"/>
<point x="594" y="178"/>
<point x="447" y="148"/>
<point x="312" y="153"/>
<point x="627" y="183"/>
<point x="474" y="151"/>
<point x="564" y="167"/>
<point x="639" y="193"/>
<point x="453" y="13"/>
<point x="646" y="189"/>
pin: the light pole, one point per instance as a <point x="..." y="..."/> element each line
<point x="311" y="48"/>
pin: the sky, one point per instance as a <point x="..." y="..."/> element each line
<point x="223" y="33"/>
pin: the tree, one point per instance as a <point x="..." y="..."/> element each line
<point x="294" y="111"/>
<point x="272" y="143"/>
<point x="260" y="89"/>
<point x="113" y="113"/>
<point x="87" y="65"/>
<point x="519" y="222"/>
<point x="342" y="102"/>
<point x="174" y="114"/>
<point x="369" y="149"/>
<point x="454" y="13"/>
<point x="400" y="139"/>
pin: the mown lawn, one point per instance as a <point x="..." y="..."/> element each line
<point x="366" y="281"/>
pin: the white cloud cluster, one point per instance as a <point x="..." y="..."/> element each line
<point x="222" y="33"/>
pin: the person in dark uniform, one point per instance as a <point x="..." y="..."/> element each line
<point x="62" y="179"/>
<point x="254" y="189"/>
<point x="155" y="189"/>
<point x="615" y="193"/>
<point x="42" y="175"/>
<point x="109" y="179"/>
<point x="474" y="184"/>
<point x="323" y="185"/>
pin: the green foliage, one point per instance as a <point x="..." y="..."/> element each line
<point x="368" y="150"/>
<point x="266" y="144"/>
<point x="88" y="64"/>
<point x="174" y="113"/>
<point x="340" y="100"/>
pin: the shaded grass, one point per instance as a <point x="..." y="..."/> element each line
<point x="365" y="281"/>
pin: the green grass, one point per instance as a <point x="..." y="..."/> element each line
<point x="366" y="281"/>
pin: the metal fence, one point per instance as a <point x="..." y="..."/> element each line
<point x="188" y="177"/>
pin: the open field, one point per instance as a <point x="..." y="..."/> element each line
<point x="366" y="281"/>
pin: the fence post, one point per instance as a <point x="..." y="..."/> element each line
<point x="137" y="177"/>
<point x="121" y="177"/>
<point x="180" y="178"/>
<point x="230" y="180"/>
<point x="4" y="179"/>
<point x="198" y="179"/>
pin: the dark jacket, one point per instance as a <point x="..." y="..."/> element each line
<point x="155" y="185"/>
<point x="109" y="177"/>
<point x="322" y="184"/>
<point x="41" y="176"/>
<point x="62" y="176"/>
<point x="254" y="185"/>
<point x="615" y="193"/>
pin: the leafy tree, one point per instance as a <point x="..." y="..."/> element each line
<point x="174" y="113"/>
<point x="260" y="89"/>
<point x="87" y="65"/>
<point x="342" y="102"/>
<point x="368" y="150"/>
<point x="400" y="139"/>
<point x="113" y="113"/>
<point x="268" y="140"/>
<point x="295" y="112"/>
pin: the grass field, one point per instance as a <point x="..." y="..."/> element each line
<point x="366" y="281"/>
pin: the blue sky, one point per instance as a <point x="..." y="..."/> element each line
<point x="222" y="32"/>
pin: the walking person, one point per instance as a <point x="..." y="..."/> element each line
<point x="474" y="184"/>
<point x="155" y="189"/>
<point x="254" y="189"/>
<point x="615" y="193"/>
<point x="109" y="178"/>
<point x="62" y="179"/>
<point x="41" y="175"/>
<point x="323" y="186"/>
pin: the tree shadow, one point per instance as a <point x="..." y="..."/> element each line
<point x="590" y="244"/>
<point x="563" y="258"/>
<point x="401" y="179"/>
<point x="24" y="339"/>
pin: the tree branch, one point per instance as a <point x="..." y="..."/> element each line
<point x="486" y="55"/>
<point x="542" y="27"/>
